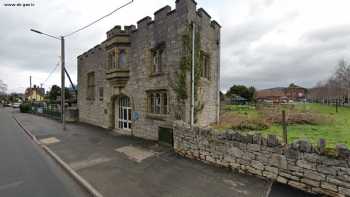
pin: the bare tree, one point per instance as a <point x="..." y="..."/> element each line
<point x="3" y="88"/>
<point x="336" y="89"/>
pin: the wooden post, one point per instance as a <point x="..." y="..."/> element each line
<point x="322" y="146"/>
<point x="336" y="105"/>
<point x="284" y="125"/>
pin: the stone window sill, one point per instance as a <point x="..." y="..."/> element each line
<point x="162" y="117"/>
<point x="157" y="74"/>
<point x="113" y="70"/>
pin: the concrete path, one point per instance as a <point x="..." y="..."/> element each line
<point x="25" y="170"/>
<point x="126" y="166"/>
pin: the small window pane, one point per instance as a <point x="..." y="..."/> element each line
<point x="122" y="59"/>
<point x="165" y="103"/>
<point x="157" y="61"/>
<point x="101" y="93"/>
<point x="152" y="103"/>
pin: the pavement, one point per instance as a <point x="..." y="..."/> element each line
<point x="128" y="166"/>
<point x="25" y="169"/>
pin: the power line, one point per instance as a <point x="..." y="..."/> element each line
<point x="92" y="23"/>
<point x="53" y="70"/>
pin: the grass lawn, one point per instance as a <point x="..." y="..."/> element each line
<point x="334" y="132"/>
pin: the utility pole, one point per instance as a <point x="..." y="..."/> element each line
<point x="63" y="84"/>
<point x="63" y="70"/>
<point x="30" y="82"/>
<point x="62" y="73"/>
<point x="284" y="125"/>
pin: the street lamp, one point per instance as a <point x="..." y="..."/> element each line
<point x="61" y="38"/>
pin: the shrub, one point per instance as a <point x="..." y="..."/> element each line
<point x="25" y="108"/>
<point x="253" y="125"/>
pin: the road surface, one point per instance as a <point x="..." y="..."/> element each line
<point x="25" y="169"/>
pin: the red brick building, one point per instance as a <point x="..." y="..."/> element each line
<point x="281" y="94"/>
<point x="296" y="93"/>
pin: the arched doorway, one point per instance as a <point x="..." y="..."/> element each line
<point x="123" y="113"/>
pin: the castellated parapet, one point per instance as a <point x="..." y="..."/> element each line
<point x="139" y="66"/>
<point x="162" y="16"/>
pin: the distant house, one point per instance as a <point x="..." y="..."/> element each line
<point x="34" y="94"/>
<point x="296" y="93"/>
<point x="282" y="94"/>
<point x="274" y="95"/>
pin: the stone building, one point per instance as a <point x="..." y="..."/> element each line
<point x="138" y="81"/>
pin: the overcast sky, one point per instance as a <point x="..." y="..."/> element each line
<point x="265" y="43"/>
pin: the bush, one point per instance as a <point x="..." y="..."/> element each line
<point x="252" y="125"/>
<point x="25" y="108"/>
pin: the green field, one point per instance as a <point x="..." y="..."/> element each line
<point x="334" y="127"/>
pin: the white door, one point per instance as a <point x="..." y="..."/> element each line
<point x="124" y="115"/>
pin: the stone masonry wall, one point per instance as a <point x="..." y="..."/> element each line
<point x="299" y="164"/>
<point x="92" y="111"/>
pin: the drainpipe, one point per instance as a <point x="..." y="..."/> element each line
<point x="218" y="80"/>
<point x="192" y="73"/>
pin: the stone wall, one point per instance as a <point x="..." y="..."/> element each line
<point x="300" y="165"/>
<point x="92" y="111"/>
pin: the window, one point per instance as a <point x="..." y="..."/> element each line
<point x="205" y="65"/>
<point x="100" y="90"/>
<point x="91" y="86"/>
<point x="157" y="61"/>
<point x="157" y="58"/>
<point x="122" y="59"/>
<point x="112" y="64"/>
<point x="157" y="102"/>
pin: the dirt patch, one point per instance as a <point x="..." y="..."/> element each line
<point x="295" y="116"/>
<point x="263" y="117"/>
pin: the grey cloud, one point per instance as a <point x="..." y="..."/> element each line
<point x="278" y="65"/>
<point x="241" y="35"/>
<point x="328" y="34"/>
<point x="269" y="2"/>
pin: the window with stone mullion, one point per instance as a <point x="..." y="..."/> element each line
<point x="157" y="61"/>
<point x="122" y="58"/>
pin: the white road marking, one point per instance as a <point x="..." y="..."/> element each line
<point x="51" y="140"/>
<point x="11" y="185"/>
<point x="135" y="153"/>
<point x="88" y="163"/>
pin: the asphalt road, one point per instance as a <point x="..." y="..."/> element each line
<point x="25" y="169"/>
